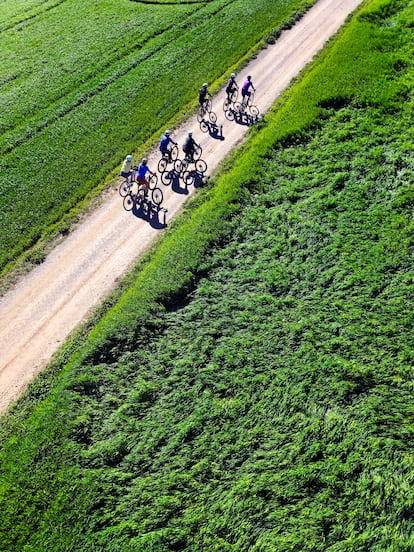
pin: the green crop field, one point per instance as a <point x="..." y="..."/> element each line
<point x="252" y="388"/>
<point x="83" y="83"/>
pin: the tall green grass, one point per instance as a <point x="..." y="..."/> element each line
<point x="84" y="83"/>
<point x="253" y="389"/>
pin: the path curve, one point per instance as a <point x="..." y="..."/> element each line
<point x="41" y="310"/>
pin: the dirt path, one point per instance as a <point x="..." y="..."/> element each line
<point x="39" y="313"/>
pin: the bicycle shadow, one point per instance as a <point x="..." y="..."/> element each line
<point x="176" y="184"/>
<point x="245" y="119"/>
<point x="199" y="179"/>
<point x="214" y="130"/>
<point x="155" y="215"/>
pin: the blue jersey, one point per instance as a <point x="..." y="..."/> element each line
<point x="165" y="140"/>
<point x="142" y="171"/>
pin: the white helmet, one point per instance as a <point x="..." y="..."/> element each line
<point x="190" y="133"/>
<point x="167" y="132"/>
<point x="205" y="85"/>
<point x="233" y="75"/>
<point x="129" y="157"/>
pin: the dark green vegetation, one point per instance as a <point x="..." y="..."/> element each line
<point x="261" y="399"/>
<point x="83" y="83"/>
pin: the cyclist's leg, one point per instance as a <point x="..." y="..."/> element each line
<point x="144" y="183"/>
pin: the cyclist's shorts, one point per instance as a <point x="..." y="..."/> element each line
<point x="126" y="174"/>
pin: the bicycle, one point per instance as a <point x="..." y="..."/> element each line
<point x="189" y="176"/>
<point x="127" y="183"/>
<point x="167" y="157"/>
<point x="206" y="109"/>
<point x="230" y="99"/>
<point x="247" y="104"/>
<point x="135" y="201"/>
<point x="212" y="117"/>
<point x="180" y="165"/>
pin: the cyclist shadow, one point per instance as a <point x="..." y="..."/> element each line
<point x="180" y="185"/>
<point x="244" y="119"/>
<point x="176" y="184"/>
<point x="215" y="131"/>
<point x="155" y="215"/>
<point x="199" y="179"/>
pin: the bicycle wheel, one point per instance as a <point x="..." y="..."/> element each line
<point x="188" y="178"/>
<point x="157" y="196"/>
<point x="204" y="126"/>
<point x="128" y="202"/>
<point x="226" y="104"/>
<point x="153" y="181"/>
<point x="200" y="115"/>
<point x="201" y="166"/>
<point x="162" y="164"/>
<point x="239" y="107"/>
<point x="174" y="152"/>
<point x="229" y="114"/>
<point x="197" y="152"/>
<point x="166" y="177"/>
<point x="213" y="117"/>
<point x="178" y="165"/>
<point x="125" y="188"/>
<point x="254" y="111"/>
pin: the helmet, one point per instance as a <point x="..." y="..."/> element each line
<point x="205" y="85"/>
<point x="190" y="133"/>
<point x="144" y="161"/>
<point x="167" y="132"/>
<point x="129" y="157"/>
<point x="233" y="75"/>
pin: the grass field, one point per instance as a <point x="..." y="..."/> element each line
<point x="83" y="83"/>
<point x="252" y="389"/>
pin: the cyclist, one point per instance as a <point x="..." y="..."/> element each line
<point x="142" y="171"/>
<point x="246" y="93"/>
<point x="231" y="85"/>
<point x="126" y="169"/>
<point x="189" y="147"/>
<point x="203" y="95"/>
<point x="165" y="147"/>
